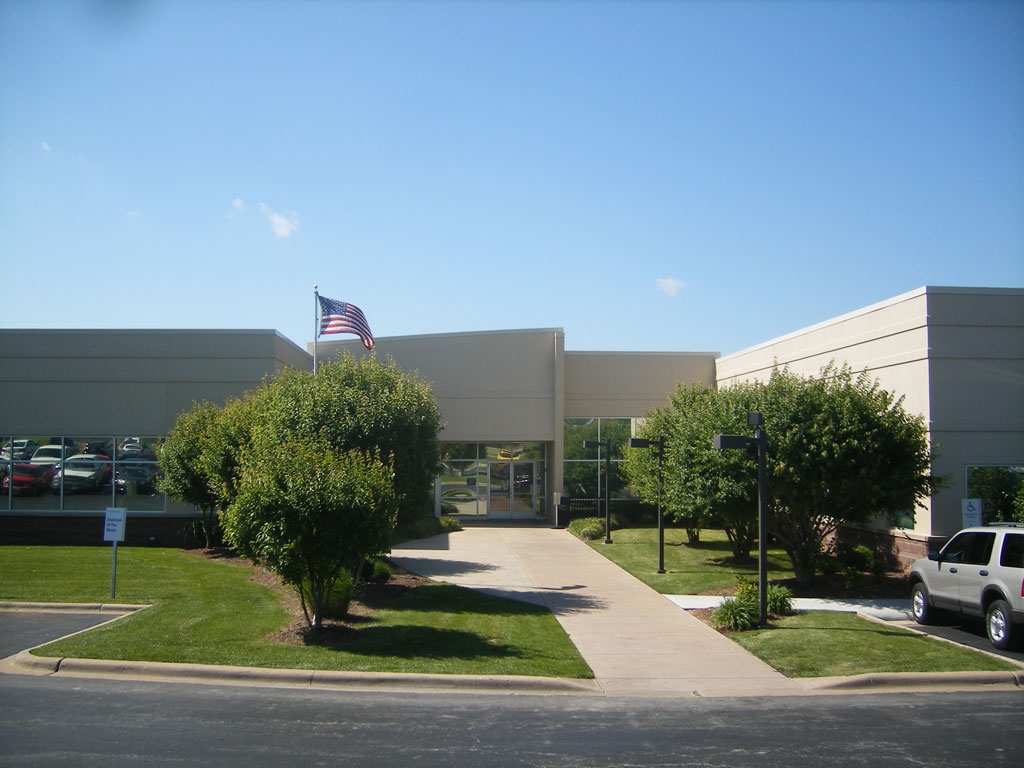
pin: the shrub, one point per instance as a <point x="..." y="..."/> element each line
<point x="589" y="528"/>
<point x="861" y="558"/>
<point x="737" y="613"/>
<point x="450" y="524"/>
<point x="340" y="597"/>
<point x="780" y="600"/>
<point x="380" y="571"/>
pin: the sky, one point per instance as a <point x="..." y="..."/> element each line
<point x="670" y="176"/>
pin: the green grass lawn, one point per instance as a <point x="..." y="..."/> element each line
<point x="210" y="612"/>
<point x="814" y="644"/>
<point x="706" y="569"/>
<point x="822" y="644"/>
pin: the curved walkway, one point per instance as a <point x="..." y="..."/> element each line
<point x="636" y="641"/>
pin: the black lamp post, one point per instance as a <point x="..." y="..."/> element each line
<point x="725" y="442"/>
<point x="641" y="442"/>
<point x="606" y="444"/>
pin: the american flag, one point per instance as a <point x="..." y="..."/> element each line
<point x="342" y="317"/>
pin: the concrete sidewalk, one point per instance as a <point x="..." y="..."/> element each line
<point x="637" y="642"/>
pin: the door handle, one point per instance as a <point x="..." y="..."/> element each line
<point x="983" y="572"/>
<point x="953" y="569"/>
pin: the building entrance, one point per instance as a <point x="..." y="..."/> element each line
<point x="512" y="490"/>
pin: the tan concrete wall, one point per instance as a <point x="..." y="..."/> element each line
<point x="128" y="382"/>
<point x="489" y="386"/>
<point x="629" y="384"/>
<point x="977" y="388"/>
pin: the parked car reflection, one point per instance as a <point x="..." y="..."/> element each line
<point x="135" y="478"/>
<point x="82" y="473"/>
<point x="27" y="479"/>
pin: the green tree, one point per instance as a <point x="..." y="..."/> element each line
<point x="181" y="466"/>
<point x="308" y="513"/>
<point x="840" y="450"/>
<point x="362" y="405"/>
<point x="998" y="488"/>
<point x="704" y="487"/>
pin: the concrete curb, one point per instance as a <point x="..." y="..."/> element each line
<point x="915" y="681"/>
<point x="71" y="607"/>
<point x="26" y="663"/>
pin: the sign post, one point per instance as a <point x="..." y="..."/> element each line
<point x="972" y="513"/>
<point x="113" y="531"/>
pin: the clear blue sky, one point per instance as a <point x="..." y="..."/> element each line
<point x="649" y="176"/>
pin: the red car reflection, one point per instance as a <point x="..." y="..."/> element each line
<point x="29" y="479"/>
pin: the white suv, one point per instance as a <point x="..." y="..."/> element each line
<point x="979" y="573"/>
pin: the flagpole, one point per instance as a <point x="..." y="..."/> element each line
<point x="316" y="326"/>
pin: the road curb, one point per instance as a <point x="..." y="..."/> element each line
<point x="916" y="681"/>
<point x="71" y="607"/>
<point x="27" y="663"/>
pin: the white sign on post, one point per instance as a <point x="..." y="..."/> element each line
<point x="113" y="525"/>
<point x="971" y="512"/>
<point x="113" y="530"/>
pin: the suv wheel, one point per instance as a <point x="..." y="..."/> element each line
<point x="1001" y="632"/>
<point x="922" y="609"/>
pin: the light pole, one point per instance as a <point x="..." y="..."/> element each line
<point x="607" y="445"/>
<point x="725" y="442"/>
<point x="641" y="442"/>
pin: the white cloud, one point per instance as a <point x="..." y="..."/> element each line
<point x="669" y="285"/>
<point x="45" y="146"/>
<point x="283" y="225"/>
<point x="238" y="204"/>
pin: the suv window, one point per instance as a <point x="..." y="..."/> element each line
<point x="973" y="548"/>
<point x="1012" y="555"/>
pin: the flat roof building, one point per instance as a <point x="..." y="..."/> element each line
<point x="515" y="404"/>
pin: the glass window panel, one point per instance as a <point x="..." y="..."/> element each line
<point x="616" y="433"/>
<point x="581" y="479"/>
<point x="459" y="487"/>
<point x="998" y="488"/>
<point x="85" y="481"/>
<point x="458" y="451"/>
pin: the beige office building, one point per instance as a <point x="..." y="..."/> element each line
<point x="516" y="404"/>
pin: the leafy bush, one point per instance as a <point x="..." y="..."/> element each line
<point x="738" y="613"/>
<point x="380" y="571"/>
<point x="780" y="600"/>
<point x="450" y="524"/>
<point x="861" y="558"/>
<point x="340" y="597"/>
<point x="589" y="528"/>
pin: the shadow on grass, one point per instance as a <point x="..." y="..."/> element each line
<point x="411" y="642"/>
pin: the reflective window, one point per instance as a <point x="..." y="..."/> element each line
<point x="81" y="473"/>
<point x="1001" y="490"/>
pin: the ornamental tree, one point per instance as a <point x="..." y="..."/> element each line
<point x="840" y="450"/>
<point x="308" y="513"/>
<point x="362" y="405"/>
<point x="181" y="472"/>
<point x="703" y="487"/>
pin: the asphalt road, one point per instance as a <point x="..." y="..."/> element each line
<point x="47" y="721"/>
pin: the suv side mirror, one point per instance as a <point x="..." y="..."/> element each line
<point x="934" y="555"/>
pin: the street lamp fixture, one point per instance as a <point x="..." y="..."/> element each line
<point x="642" y="442"/>
<point x="606" y="444"/>
<point x="728" y="442"/>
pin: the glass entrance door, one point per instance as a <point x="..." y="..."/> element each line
<point x="512" y="490"/>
